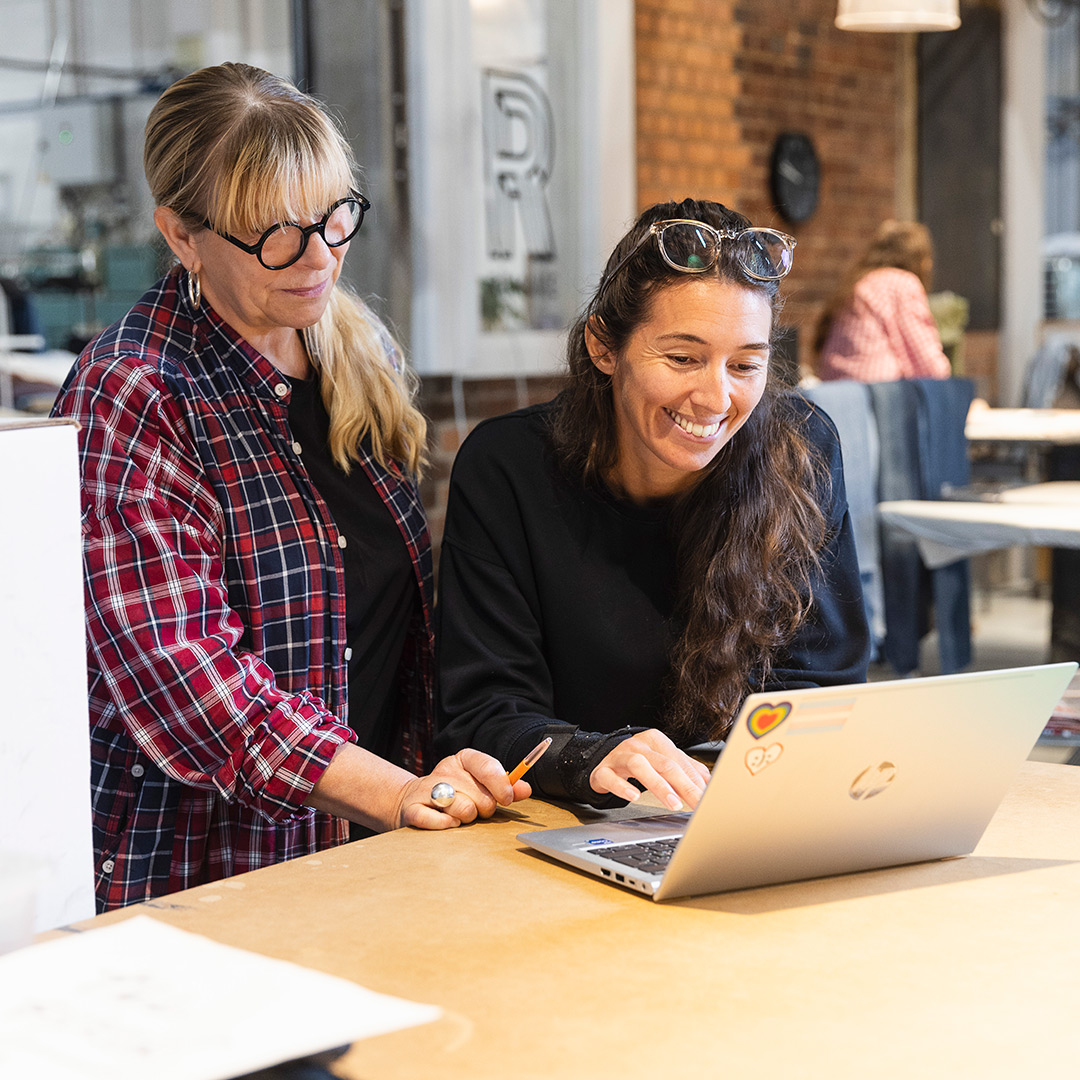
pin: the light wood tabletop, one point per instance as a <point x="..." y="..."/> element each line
<point x="966" y="967"/>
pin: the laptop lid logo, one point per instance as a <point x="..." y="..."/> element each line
<point x="872" y="781"/>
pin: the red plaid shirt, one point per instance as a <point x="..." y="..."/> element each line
<point x="215" y="609"/>
<point x="886" y="333"/>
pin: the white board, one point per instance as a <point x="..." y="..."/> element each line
<point x="44" y="724"/>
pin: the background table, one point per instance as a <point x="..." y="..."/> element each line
<point x="962" y="968"/>
<point x="1045" y="443"/>
<point x="948" y="530"/>
<point x="1060" y="427"/>
<point x="50" y="367"/>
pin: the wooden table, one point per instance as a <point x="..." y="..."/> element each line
<point x="1058" y="427"/>
<point x="963" y="968"/>
<point x="1025" y="437"/>
<point x="1042" y="442"/>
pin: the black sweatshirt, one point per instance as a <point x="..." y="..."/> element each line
<point x="556" y="601"/>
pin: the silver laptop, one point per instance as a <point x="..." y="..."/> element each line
<point x="832" y="780"/>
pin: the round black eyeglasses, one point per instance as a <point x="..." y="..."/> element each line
<point x="281" y="245"/>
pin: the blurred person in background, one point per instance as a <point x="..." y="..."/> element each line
<point x="877" y="326"/>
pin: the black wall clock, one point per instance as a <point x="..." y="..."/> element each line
<point x="794" y="174"/>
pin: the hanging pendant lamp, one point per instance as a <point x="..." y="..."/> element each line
<point x="898" y="15"/>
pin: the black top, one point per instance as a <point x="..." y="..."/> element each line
<point x="556" y="606"/>
<point x="381" y="594"/>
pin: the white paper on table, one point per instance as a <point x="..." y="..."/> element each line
<point x="142" y="1000"/>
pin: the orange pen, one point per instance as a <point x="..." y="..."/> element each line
<point x="528" y="761"/>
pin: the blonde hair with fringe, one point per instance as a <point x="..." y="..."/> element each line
<point x="242" y="148"/>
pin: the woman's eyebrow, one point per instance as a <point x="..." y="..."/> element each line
<point x="676" y="336"/>
<point x="750" y="346"/>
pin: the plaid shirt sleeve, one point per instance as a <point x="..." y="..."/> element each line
<point x="206" y="711"/>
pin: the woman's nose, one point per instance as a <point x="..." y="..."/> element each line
<point x="716" y="387"/>
<point x="317" y="253"/>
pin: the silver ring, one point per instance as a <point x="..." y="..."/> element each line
<point x="442" y="795"/>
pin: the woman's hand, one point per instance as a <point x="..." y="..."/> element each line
<point x="480" y="784"/>
<point x="652" y="759"/>
<point x="365" y="788"/>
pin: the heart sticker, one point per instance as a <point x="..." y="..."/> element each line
<point x="766" y="717"/>
<point x="761" y="757"/>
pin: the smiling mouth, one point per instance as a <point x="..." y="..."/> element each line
<point x="700" y="431"/>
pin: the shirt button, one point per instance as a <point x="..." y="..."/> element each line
<point x="348" y="654"/>
<point x="341" y="541"/>
<point x="137" y="770"/>
<point x="281" y="389"/>
<point x="108" y="866"/>
<point x="296" y="448"/>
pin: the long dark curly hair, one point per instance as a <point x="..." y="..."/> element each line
<point x="748" y="534"/>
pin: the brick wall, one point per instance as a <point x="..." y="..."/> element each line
<point x="450" y="420"/>
<point x="717" y="81"/>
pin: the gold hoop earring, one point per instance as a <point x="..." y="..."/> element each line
<point x="194" y="289"/>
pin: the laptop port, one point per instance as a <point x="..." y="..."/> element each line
<point x="619" y="877"/>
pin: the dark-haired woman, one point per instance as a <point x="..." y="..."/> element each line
<point x="622" y="565"/>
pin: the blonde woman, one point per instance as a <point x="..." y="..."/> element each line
<point x="257" y="562"/>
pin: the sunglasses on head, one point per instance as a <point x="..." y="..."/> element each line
<point x="692" y="247"/>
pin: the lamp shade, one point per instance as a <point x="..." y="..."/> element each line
<point x="898" y="15"/>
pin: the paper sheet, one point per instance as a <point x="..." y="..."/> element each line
<point x="142" y="1000"/>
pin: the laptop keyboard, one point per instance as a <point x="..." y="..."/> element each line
<point x="652" y="856"/>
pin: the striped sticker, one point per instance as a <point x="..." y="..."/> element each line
<point x="830" y="714"/>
